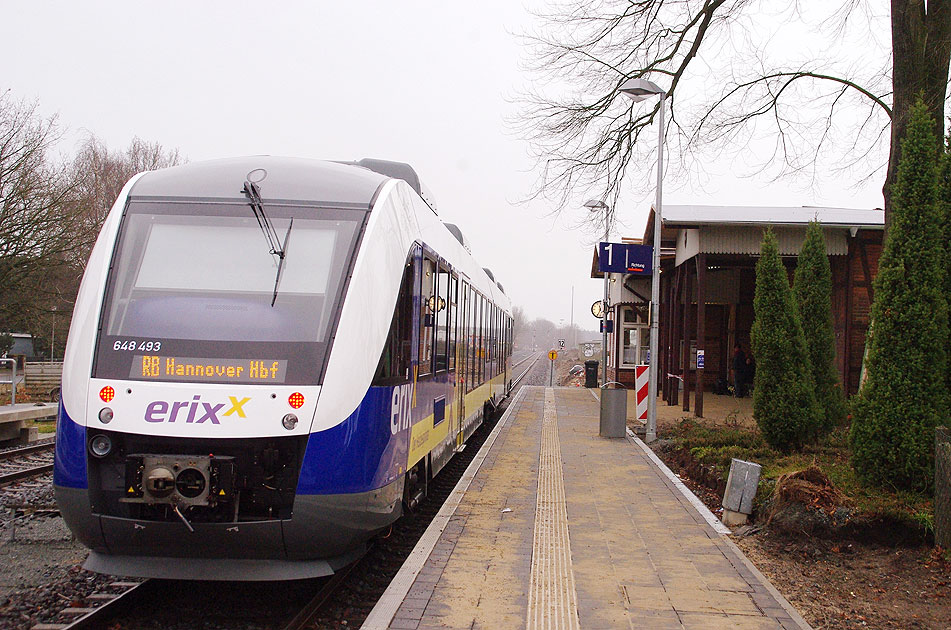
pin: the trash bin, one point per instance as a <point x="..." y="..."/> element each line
<point x="613" y="413"/>
<point x="591" y="373"/>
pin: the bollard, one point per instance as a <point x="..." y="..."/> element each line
<point x="942" y="487"/>
<point x="740" y="489"/>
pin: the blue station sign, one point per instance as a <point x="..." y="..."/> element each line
<point x="625" y="258"/>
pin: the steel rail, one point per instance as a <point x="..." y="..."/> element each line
<point x="534" y="355"/>
<point x="527" y="370"/>
<point x="310" y="610"/>
<point x="109" y="609"/>
<point x="27" y="450"/>
<point x="25" y="473"/>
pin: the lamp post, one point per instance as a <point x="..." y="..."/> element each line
<point x="595" y="206"/>
<point x="638" y="90"/>
<point x="53" y="335"/>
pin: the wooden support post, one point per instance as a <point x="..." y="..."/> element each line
<point x="675" y="339"/>
<point x="667" y="291"/>
<point x="849" y="315"/>
<point x="688" y="298"/>
<point x="701" y="327"/>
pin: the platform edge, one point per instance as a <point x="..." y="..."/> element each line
<point x="389" y="603"/>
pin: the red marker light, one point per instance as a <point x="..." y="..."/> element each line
<point x="107" y="393"/>
<point x="296" y="400"/>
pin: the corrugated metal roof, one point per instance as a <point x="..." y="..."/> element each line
<point x="774" y="215"/>
<point x="729" y="239"/>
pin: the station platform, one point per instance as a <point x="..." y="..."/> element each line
<point x="555" y="527"/>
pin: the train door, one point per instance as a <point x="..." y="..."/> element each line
<point x="461" y="377"/>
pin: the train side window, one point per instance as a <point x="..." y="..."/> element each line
<point x="441" y="308"/>
<point x="484" y="341"/>
<point x="396" y="357"/>
<point x="473" y="332"/>
<point x="477" y="341"/>
<point x="462" y="345"/>
<point x="452" y="326"/>
<point x="426" y="316"/>
<point x="490" y="340"/>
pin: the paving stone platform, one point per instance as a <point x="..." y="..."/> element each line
<point x="560" y="528"/>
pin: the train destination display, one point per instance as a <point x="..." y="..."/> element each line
<point x="200" y="369"/>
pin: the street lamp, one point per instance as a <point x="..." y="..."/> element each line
<point x="638" y="90"/>
<point x="595" y="206"/>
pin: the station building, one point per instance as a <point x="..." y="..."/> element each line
<point x="708" y="258"/>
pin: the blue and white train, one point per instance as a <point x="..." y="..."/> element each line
<point x="268" y="360"/>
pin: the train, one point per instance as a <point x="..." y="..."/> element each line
<point x="269" y="359"/>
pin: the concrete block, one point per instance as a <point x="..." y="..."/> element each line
<point x="741" y="486"/>
<point x="29" y="434"/>
<point x="733" y="519"/>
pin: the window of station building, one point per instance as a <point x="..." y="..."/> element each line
<point x="427" y="316"/>
<point x="635" y="339"/>
<point x="397" y="352"/>
<point x="440" y="306"/>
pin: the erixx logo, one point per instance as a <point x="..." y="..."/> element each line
<point x="194" y="411"/>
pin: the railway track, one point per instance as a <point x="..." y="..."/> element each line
<point x="347" y="596"/>
<point x="518" y="379"/>
<point x="17" y="464"/>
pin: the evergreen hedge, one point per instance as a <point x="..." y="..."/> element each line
<point x="905" y="394"/>
<point x="945" y="195"/>
<point x="812" y="285"/>
<point x="784" y="403"/>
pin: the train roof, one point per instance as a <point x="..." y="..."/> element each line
<point x="290" y="179"/>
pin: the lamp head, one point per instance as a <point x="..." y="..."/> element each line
<point x="640" y="89"/>
<point x="594" y="205"/>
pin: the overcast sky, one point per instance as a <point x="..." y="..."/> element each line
<point x="429" y="83"/>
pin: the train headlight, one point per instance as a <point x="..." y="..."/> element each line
<point x="105" y="415"/>
<point x="289" y="421"/>
<point x="100" y="446"/>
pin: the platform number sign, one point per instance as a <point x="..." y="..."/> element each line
<point x="625" y="258"/>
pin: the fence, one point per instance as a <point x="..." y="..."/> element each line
<point x="13" y="379"/>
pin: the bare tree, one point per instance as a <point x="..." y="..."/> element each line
<point x="728" y="84"/>
<point x="35" y="233"/>
<point x="98" y="175"/>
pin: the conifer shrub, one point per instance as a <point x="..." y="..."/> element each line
<point x="905" y="392"/>
<point x="784" y="402"/>
<point x="812" y="286"/>
<point x="944" y="186"/>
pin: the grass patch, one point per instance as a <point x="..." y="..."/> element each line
<point x="45" y="426"/>
<point x="716" y="444"/>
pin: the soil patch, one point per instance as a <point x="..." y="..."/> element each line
<point x="855" y="585"/>
<point x="846" y="578"/>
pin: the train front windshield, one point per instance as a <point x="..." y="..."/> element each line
<point x="189" y="296"/>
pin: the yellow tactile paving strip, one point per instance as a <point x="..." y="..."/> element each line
<point x="641" y="555"/>
<point x="552" y="603"/>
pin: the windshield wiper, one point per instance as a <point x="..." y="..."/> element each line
<point x="275" y="247"/>
<point x="280" y="264"/>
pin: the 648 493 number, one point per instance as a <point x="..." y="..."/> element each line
<point x="132" y="345"/>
